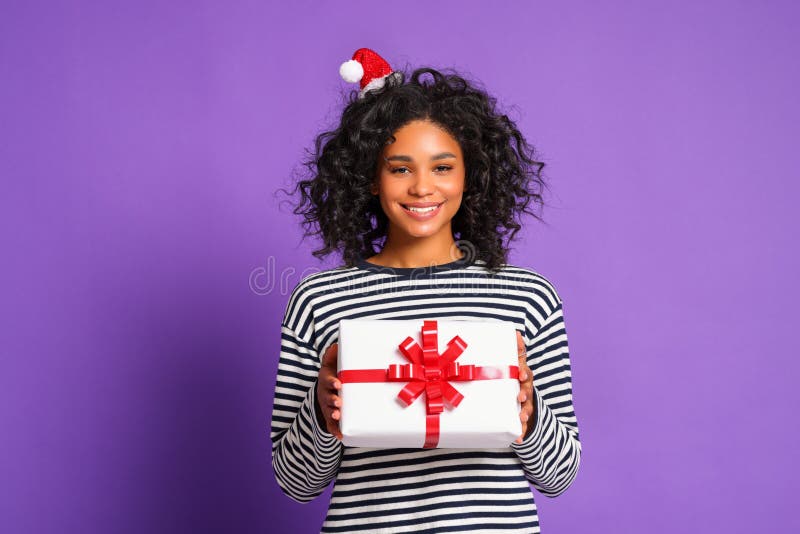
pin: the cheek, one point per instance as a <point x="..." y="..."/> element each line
<point x="393" y="190"/>
<point x="455" y="188"/>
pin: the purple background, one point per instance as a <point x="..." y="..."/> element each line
<point x="146" y="264"/>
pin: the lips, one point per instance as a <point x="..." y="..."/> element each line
<point x="421" y="216"/>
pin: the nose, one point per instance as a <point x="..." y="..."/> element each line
<point x="423" y="184"/>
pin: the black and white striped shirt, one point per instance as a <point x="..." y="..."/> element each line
<point x="424" y="490"/>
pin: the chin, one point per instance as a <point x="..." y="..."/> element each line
<point x="423" y="231"/>
<point x="422" y="234"/>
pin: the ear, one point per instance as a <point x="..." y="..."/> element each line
<point x="373" y="189"/>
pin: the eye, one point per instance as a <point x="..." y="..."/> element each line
<point x="398" y="169"/>
<point x="443" y="168"/>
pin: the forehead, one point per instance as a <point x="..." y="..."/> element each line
<point x="422" y="137"/>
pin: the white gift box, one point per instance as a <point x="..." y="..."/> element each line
<point x="372" y="415"/>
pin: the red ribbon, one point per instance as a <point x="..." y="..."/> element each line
<point x="431" y="373"/>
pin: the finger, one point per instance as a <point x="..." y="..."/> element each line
<point x="333" y="428"/>
<point x="331" y="354"/>
<point x="336" y="431"/>
<point x="334" y="401"/>
<point x="527" y="383"/>
<point x="333" y="382"/>
<point x="520" y="344"/>
<point x="524" y="431"/>
<point x="528" y="411"/>
<point x="527" y="389"/>
<point x="522" y="396"/>
<point x="335" y="415"/>
<point x="525" y="373"/>
<point x="523" y="363"/>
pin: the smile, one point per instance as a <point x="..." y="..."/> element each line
<point x="422" y="213"/>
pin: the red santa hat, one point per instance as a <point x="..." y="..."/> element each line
<point x="366" y="67"/>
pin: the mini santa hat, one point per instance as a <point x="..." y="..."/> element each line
<point x="366" y="67"/>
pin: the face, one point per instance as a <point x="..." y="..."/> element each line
<point x="422" y="167"/>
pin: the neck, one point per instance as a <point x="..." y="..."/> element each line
<point x="409" y="252"/>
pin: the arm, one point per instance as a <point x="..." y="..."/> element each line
<point x="551" y="450"/>
<point x="305" y="456"/>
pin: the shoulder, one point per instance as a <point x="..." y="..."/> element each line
<point x="529" y="279"/>
<point x="530" y="288"/>
<point x="314" y="283"/>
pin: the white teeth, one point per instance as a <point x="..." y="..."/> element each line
<point x="421" y="210"/>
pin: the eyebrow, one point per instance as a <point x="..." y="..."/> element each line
<point x="402" y="157"/>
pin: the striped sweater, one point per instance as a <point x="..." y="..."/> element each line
<point x="424" y="490"/>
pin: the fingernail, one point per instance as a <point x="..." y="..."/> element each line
<point x="524" y="397"/>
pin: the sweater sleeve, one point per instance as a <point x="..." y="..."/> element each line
<point x="551" y="453"/>
<point x="305" y="456"/>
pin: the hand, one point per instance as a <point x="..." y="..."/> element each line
<point x="525" y="396"/>
<point x="328" y="386"/>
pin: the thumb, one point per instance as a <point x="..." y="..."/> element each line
<point x="331" y="355"/>
<point x="520" y="345"/>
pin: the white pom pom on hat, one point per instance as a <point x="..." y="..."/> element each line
<point x="366" y="67"/>
<point x="351" y="71"/>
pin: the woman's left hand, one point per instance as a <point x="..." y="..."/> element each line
<point x="525" y="396"/>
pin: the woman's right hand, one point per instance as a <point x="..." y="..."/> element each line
<point x="328" y="387"/>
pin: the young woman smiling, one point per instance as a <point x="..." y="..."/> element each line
<point x="435" y="178"/>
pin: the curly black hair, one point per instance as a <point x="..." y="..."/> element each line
<point x="502" y="177"/>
